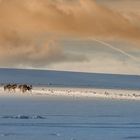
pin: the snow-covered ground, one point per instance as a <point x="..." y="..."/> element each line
<point x="69" y="79"/>
<point x="54" y="118"/>
<point x="69" y="106"/>
<point x="72" y="84"/>
<point x="77" y="92"/>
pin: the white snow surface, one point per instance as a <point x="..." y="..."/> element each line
<point x="77" y="92"/>
<point x="69" y="106"/>
<point x="72" y="84"/>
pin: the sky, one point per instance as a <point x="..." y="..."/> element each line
<point x="101" y="36"/>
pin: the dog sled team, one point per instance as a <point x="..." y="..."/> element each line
<point x="22" y="87"/>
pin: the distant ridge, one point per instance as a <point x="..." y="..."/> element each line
<point x="69" y="79"/>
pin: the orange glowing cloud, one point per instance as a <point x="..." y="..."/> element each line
<point x="22" y="23"/>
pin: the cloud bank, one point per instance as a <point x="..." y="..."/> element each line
<point x="24" y="23"/>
